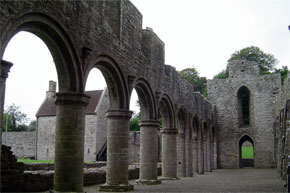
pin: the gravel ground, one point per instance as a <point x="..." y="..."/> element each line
<point x="223" y="180"/>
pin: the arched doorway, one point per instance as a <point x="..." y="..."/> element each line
<point x="246" y="149"/>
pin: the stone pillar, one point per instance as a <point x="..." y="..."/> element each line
<point x="195" y="154"/>
<point x="212" y="154"/>
<point x="169" y="154"/>
<point x="214" y="166"/>
<point x="200" y="156"/>
<point x="149" y="152"/>
<point x="188" y="155"/>
<point x="181" y="155"/>
<point x="117" y="151"/>
<point x="208" y="155"/>
<point x="69" y="141"/>
<point x="205" y="154"/>
<point x="4" y="69"/>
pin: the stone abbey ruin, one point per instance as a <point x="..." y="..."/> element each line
<point x="198" y="135"/>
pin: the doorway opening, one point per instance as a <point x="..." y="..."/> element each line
<point x="246" y="148"/>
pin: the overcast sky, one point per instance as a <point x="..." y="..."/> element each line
<point x="198" y="33"/>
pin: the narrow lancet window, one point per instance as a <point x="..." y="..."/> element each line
<point x="244" y="106"/>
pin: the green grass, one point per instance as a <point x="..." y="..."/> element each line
<point x="247" y="153"/>
<point x="34" y="161"/>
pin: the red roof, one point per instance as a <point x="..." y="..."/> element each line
<point x="48" y="108"/>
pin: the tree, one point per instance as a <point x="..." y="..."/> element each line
<point x="266" y="62"/>
<point x="32" y="126"/>
<point x="192" y="76"/>
<point x="222" y="75"/>
<point x="283" y="72"/>
<point x="134" y="122"/>
<point x="14" y="119"/>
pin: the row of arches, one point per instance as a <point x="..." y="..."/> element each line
<point x="73" y="67"/>
<point x="197" y="146"/>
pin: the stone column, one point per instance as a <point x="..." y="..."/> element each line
<point x="181" y="155"/>
<point x="195" y="154"/>
<point x="148" y="152"/>
<point x="69" y="141"/>
<point x="4" y="69"/>
<point x="214" y="166"/>
<point x="200" y="156"/>
<point x="205" y="154"/>
<point x="117" y="151"/>
<point x="188" y="155"/>
<point x="208" y="155"/>
<point x="169" y="154"/>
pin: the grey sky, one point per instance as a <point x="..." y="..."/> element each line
<point x="199" y="33"/>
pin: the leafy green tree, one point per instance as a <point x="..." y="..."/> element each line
<point x="134" y="122"/>
<point x="222" y="75"/>
<point x="14" y="119"/>
<point x="192" y="76"/>
<point x="32" y="126"/>
<point x="266" y="61"/>
<point x="283" y="72"/>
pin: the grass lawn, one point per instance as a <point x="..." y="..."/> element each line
<point x="247" y="153"/>
<point x="34" y="161"/>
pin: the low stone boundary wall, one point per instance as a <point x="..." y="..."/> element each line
<point x="50" y="166"/>
<point x="36" y="181"/>
<point x="16" y="177"/>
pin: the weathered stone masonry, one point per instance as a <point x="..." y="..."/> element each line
<point x="108" y="35"/>
<point x="245" y="77"/>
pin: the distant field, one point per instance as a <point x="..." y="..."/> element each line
<point x="247" y="153"/>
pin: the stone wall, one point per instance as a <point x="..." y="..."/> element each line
<point x="19" y="177"/>
<point x="134" y="147"/>
<point x="95" y="132"/>
<point x="11" y="171"/>
<point x="22" y="143"/>
<point x="45" y="138"/>
<point x="263" y="90"/>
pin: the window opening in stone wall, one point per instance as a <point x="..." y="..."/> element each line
<point x="244" y="106"/>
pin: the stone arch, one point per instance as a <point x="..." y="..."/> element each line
<point x="167" y="112"/>
<point x="169" y="162"/>
<point x="149" y="133"/>
<point x="115" y="80"/>
<point x="182" y="127"/>
<point x="58" y="42"/>
<point x="246" y="163"/>
<point x="244" y="104"/>
<point x="146" y="99"/>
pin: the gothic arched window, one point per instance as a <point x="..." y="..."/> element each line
<point x="244" y="106"/>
